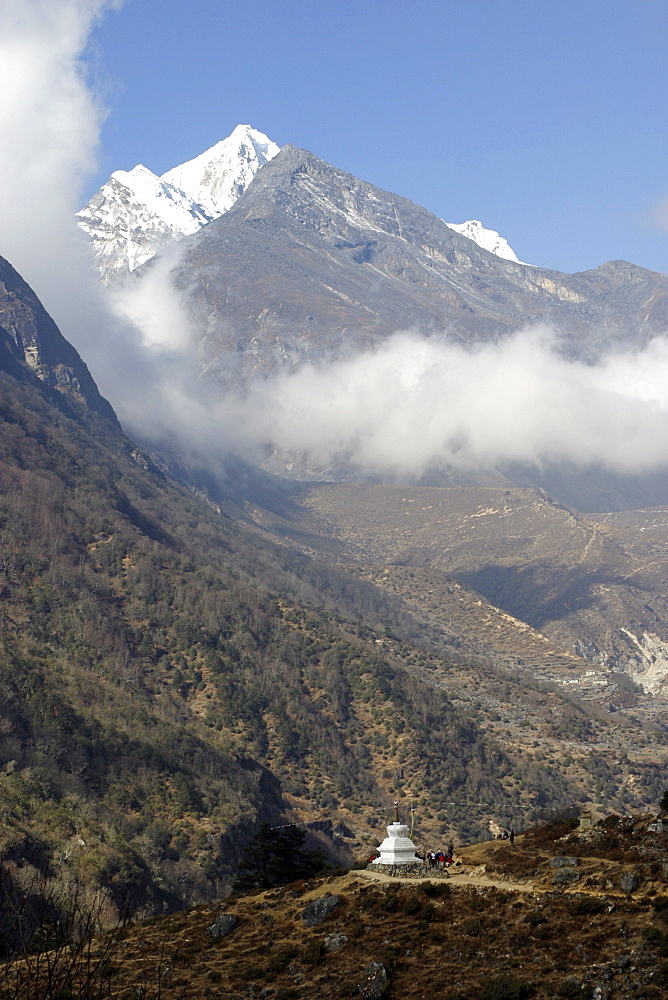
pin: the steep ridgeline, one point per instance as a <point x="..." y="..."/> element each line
<point x="32" y="347"/>
<point x="312" y="260"/>
<point x="171" y="678"/>
<point x="136" y="212"/>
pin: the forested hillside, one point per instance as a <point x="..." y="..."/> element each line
<point x="171" y="678"/>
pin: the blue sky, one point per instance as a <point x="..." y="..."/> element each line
<point x="546" y="120"/>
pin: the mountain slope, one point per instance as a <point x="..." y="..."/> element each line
<point x="311" y="261"/>
<point x="595" y="586"/>
<point x="171" y="677"/>
<point x="136" y="213"/>
<point x="32" y="347"/>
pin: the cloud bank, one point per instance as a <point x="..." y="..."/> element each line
<point x="415" y="403"/>
<point x="50" y="123"/>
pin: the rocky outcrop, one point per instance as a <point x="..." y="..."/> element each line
<point x="318" y="909"/>
<point x="223" y="925"/>
<point x="32" y="347"/>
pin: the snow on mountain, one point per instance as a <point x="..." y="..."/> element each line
<point x="216" y="178"/>
<point x="136" y="213"/>
<point x="133" y="215"/>
<point x="488" y="239"/>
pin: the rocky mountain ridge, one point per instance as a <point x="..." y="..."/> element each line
<point x="136" y="213"/>
<point x="338" y="264"/>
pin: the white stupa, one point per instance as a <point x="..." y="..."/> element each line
<point x="397" y="848"/>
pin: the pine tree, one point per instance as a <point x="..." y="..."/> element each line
<point x="275" y="856"/>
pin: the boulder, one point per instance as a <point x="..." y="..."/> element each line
<point x="223" y="925"/>
<point x="565" y="876"/>
<point x="334" y="942"/>
<point x="564" y="862"/>
<point x="375" y="982"/>
<point x="318" y="909"/>
<point x="629" y="882"/>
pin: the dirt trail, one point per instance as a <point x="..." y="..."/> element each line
<point x="455" y="878"/>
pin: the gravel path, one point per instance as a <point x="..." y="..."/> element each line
<point x="455" y="878"/>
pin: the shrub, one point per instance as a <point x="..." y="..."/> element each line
<point x="652" y="935"/>
<point x="252" y="972"/>
<point x="411" y="903"/>
<point x="312" y="953"/>
<point x="661" y="975"/>
<point x="570" y="988"/>
<point x="280" y="958"/>
<point x="390" y="901"/>
<point x="505" y="988"/>
<point x="586" y="905"/>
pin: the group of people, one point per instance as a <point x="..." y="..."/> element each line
<point x="440" y="859"/>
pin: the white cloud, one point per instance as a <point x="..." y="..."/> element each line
<point x="415" y="403"/>
<point x="50" y="121"/>
<point x="50" y="125"/>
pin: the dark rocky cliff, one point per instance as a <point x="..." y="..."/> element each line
<point x="32" y="347"/>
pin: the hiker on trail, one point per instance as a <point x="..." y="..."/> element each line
<point x="512" y="836"/>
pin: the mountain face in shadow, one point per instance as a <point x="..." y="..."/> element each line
<point x="33" y="348"/>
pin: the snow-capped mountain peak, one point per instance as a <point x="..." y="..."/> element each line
<point x="136" y="213"/>
<point x="488" y="239"/>
<point x="217" y="177"/>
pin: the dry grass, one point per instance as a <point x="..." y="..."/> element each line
<point x="434" y="939"/>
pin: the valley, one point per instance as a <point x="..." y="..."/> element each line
<point x="198" y="640"/>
